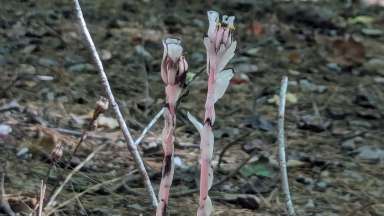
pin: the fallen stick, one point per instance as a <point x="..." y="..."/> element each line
<point x="42" y="197"/>
<point x="104" y="80"/>
<point x="4" y="205"/>
<point x="281" y="141"/>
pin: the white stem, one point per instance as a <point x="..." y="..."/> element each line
<point x="149" y="126"/>
<point x="104" y="80"/>
<point x="281" y="140"/>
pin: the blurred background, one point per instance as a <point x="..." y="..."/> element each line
<point x="332" y="52"/>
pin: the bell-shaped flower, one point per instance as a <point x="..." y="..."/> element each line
<point x="174" y="69"/>
<point x="173" y="66"/>
<point x="219" y="43"/>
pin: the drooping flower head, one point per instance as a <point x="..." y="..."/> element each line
<point x="174" y="69"/>
<point x="174" y="66"/>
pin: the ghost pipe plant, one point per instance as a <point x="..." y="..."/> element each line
<point x="220" y="49"/>
<point x="173" y="73"/>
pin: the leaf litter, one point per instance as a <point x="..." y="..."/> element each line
<point x="332" y="53"/>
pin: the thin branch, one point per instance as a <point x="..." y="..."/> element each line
<point x="149" y="126"/>
<point x="42" y="197"/>
<point x="104" y="80"/>
<point x="4" y="205"/>
<point x="78" y="133"/>
<point x="281" y="140"/>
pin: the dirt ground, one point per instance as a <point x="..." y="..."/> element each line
<point x="332" y="52"/>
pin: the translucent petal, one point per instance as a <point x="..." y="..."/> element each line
<point x="224" y="19"/>
<point x="227" y="56"/>
<point x="222" y="82"/>
<point x="207" y="43"/>
<point x="174" y="51"/>
<point x="230" y="20"/>
<point x="208" y="206"/>
<point x="172" y="41"/>
<point x="213" y="18"/>
<point x="195" y="122"/>
<point x="163" y="71"/>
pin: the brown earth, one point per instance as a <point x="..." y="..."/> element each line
<point x="332" y="53"/>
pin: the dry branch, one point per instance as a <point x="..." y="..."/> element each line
<point x="104" y="80"/>
<point x="4" y="205"/>
<point x="281" y="140"/>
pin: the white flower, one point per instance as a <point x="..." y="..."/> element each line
<point x="172" y="48"/>
<point x="174" y="66"/>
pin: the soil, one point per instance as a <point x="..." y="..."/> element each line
<point x="331" y="51"/>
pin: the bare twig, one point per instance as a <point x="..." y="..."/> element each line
<point x="57" y="152"/>
<point x="127" y="135"/>
<point x="69" y="176"/>
<point x="149" y="126"/>
<point x="42" y="196"/>
<point x="4" y="205"/>
<point x="101" y="106"/>
<point x="281" y="140"/>
<point x="79" y="133"/>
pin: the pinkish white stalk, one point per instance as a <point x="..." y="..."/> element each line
<point x="220" y="50"/>
<point x="173" y="72"/>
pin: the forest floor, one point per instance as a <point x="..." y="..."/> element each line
<point x="332" y="52"/>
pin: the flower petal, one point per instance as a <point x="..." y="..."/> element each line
<point x="163" y="69"/>
<point x="227" y="56"/>
<point x="173" y="48"/>
<point x="195" y="122"/>
<point x="174" y="51"/>
<point x="208" y="209"/>
<point x="229" y="20"/>
<point x="222" y="82"/>
<point x="213" y="18"/>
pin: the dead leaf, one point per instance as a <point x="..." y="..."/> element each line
<point x="294" y="57"/>
<point x="347" y="52"/>
<point x="256" y="29"/>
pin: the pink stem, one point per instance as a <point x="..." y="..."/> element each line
<point x="168" y="162"/>
<point x="205" y="157"/>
